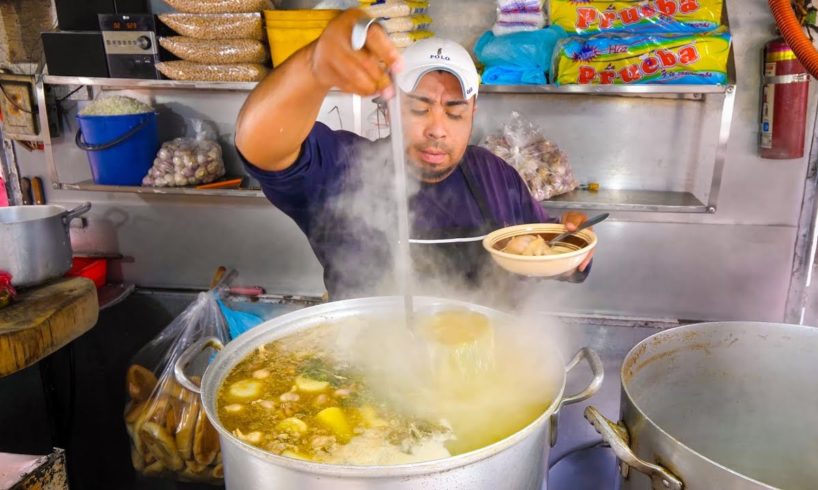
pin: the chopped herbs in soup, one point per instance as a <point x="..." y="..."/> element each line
<point x="367" y="392"/>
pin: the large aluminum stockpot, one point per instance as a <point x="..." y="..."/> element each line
<point x="727" y="406"/>
<point x="34" y="242"/>
<point x="517" y="462"/>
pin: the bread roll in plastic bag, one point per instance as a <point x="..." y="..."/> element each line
<point x="171" y="436"/>
<point x="541" y="164"/>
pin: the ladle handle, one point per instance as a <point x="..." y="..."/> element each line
<point x="616" y="436"/>
<point x="360" y="31"/>
<point x="188" y="355"/>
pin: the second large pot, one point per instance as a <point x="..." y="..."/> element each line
<point x="727" y="406"/>
<point x="34" y="242"/>
<point x="515" y="463"/>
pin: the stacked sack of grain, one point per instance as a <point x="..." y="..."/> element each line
<point x="405" y="21"/>
<point x="219" y="40"/>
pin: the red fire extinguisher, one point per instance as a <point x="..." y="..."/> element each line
<point x="784" y="96"/>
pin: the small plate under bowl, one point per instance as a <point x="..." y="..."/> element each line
<point x="581" y="243"/>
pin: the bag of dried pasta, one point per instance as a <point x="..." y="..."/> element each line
<point x="170" y="434"/>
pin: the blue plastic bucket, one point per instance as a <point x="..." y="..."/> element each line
<point x="120" y="149"/>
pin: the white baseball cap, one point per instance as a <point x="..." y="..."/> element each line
<point x="433" y="54"/>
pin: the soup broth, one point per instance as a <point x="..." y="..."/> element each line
<point x="362" y="392"/>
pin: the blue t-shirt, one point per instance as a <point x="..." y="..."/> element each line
<point x="339" y="189"/>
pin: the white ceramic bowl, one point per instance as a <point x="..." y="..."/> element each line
<point x="542" y="266"/>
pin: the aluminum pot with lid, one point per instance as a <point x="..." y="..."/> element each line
<point x="516" y="462"/>
<point x="728" y="406"/>
<point x="35" y="243"/>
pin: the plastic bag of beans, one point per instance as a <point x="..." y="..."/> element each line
<point x="190" y="71"/>
<point x="221" y="51"/>
<point x="218" y="6"/>
<point x="216" y="26"/>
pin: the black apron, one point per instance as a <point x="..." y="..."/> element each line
<point x="459" y="260"/>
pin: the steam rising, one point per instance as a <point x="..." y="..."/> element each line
<point x="529" y="361"/>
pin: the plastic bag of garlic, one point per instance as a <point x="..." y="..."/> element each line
<point x="187" y="161"/>
<point x="541" y="164"/>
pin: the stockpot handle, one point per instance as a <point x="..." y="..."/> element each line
<point x="597" y="369"/>
<point x="187" y="356"/>
<point x="616" y="436"/>
<point x="75" y="213"/>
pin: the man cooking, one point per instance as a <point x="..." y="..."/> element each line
<point x="305" y="169"/>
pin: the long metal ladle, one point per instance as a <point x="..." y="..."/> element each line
<point x="403" y="261"/>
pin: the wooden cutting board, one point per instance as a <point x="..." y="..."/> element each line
<point x="43" y="320"/>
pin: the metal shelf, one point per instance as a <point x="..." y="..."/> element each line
<point x="129" y="83"/>
<point x="630" y="200"/>
<point x="133" y="83"/>
<point x="605" y="89"/>
<point x="643" y="201"/>
<point x="608" y="200"/>
<point x="167" y="191"/>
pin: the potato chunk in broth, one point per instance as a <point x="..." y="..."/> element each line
<point x="365" y="392"/>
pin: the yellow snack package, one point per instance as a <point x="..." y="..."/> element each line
<point x="642" y="16"/>
<point x="643" y="59"/>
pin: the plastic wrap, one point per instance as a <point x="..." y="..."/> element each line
<point x="517" y="59"/>
<point x="170" y="433"/>
<point x="519" y="16"/>
<point x="643" y="59"/>
<point x="337" y="5"/>
<point x="219" y="6"/>
<point x="397" y="8"/>
<point x="236" y="72"/>
<point x="541" y="164"/>
<point x="668" y="16"/>
<point x="407" y="24"/>
<point x="216" y="26"/>
<point x="218" y="52"/>
<point x="187" y="161"/>
<point x="404" y="39"/>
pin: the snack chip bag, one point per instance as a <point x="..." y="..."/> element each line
<point x="655" y="16"/>
<point x="643" y="59"/>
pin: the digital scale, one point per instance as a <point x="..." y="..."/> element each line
<point x="130" y="45"/>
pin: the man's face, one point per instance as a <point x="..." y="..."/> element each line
<point x="437" y="125"/>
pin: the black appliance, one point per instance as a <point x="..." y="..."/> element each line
<point x="81" y="15"/>
<point x="130" y="45"/>
<point x="75" y="54"/>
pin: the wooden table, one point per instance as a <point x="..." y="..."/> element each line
<point x="23" y="472"/>
<point x="44" y="319"/>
